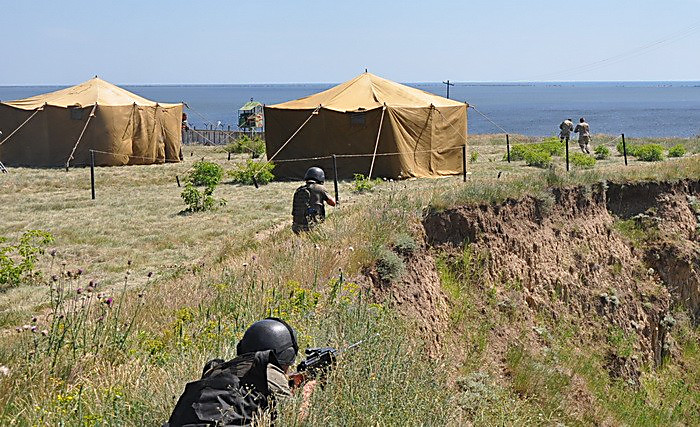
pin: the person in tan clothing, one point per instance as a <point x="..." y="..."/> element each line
<point x="565" y="129"/>
<point x="584" y="135"/>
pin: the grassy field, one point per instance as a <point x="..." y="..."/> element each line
<point x="125" y="360"/>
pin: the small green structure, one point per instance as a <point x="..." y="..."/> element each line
<point x="250" y="116"/>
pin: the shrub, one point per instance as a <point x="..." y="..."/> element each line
<point x="550" y="147"/>
<point x="582" y="160"/>
<point x="205" y="173"/>
<point x="676" y="151"/>
<point x="245" y="144"/>
<point x="244" y="173"/>
<point x="361" y="183"/>
<point x="538" y="158"/>
<point x="198" y="201"/>
<point x="405" y="244"/>
<point x="553" y="146"/>
<point x="17" y="261"/>
<point x="601" y="152"/>
<point x="631" y="149"/>
<point x="389" y="265"/>
<point x="649" y="152"/>
<point x="473" y="157"/>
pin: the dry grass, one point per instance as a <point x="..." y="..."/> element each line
<point x="193" y="311"/>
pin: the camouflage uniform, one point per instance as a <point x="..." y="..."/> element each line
<point x="565" y="129"/>
<point x="277" y="382"/>
<point x="319" y="195"/>
<point x="584" y="137"/>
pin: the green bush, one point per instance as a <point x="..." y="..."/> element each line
<point x="245" y="144"/>
<point x="205" y="173"/>
<point x="473" y="157"/>
<point x="550" y="147"/>
<point x="649" y="152"/>
<point x="405" y="244"/>
<point x="631" y="149"/>
<point x="538" y="158"/>
<point x="18" y="261"/>
<point x="361" y="183"/>
<point x="582" y="160"/>
<point x="389" y="265"/>
<point x="198" y="201"/>
<point x="601" y="152"/>
<point x="676" y="151"/>
<point x="553" y="146"/>
<point x="244" y="173"/>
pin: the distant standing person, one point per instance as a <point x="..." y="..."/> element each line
<point x="584" y="135"/>
<point x="565" y="129"/>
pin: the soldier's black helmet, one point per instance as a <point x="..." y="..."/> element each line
<point x="315" y="174"/>
<point x="581" y="120"/>
<point x="270" y="334"/>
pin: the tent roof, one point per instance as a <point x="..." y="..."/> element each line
<point x="85" y="94"/>
<point x="368" y="91"/>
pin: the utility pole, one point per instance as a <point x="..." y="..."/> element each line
<point x="448" y="84"/>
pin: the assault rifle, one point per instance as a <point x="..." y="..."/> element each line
<point x="318" y="362"/>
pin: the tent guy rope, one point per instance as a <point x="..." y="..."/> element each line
<point x="23" y="123"/>
<point x="92" y="114"/>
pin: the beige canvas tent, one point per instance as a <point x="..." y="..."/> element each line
<point x="425" y="131"/>
<point x="122" y="127"/>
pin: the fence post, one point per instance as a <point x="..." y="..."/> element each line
<point x="92" y="173"/>
<point x="567" y="153"/>
<point x="508" y="147"/>
<point x="464" y="162"/>
<point x="177" y="179"/>
<point x="624" y="148"/>
<point x="335" y="178"/>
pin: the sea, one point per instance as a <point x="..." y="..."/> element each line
<point x="638" y="109"/>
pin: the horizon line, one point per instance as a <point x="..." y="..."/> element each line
<point x="520" y="82"/>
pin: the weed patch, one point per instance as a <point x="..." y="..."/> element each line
<point x="251" y="171"/>
<point x="583" y="161"/>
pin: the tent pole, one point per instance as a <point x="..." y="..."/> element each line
<point x="376" y="144"/>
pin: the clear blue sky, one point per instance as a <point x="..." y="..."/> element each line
<point x="173" y="41"/>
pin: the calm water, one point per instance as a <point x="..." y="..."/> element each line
<point x="635" y="108"/>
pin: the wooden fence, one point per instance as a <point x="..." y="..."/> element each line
<point x="210" y="136"/>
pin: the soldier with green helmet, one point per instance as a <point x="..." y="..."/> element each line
<point x="308" y="206"/>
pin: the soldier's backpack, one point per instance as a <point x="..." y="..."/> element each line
<point x="233" y="393"/>
<point x="303" y="213"/>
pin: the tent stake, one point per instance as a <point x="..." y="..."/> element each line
<point x="464" y="162"/>
<point x="624" y="148"/>
<point x="335" y="178"/>
<point x="567" y="153"/>
<point x="92" y="173"/>
<point x="508" y="147"/>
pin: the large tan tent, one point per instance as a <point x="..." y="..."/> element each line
<point x="60" y="128"/>
<point x="425" y="131"/>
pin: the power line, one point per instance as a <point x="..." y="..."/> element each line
<point x="637" y="51"/>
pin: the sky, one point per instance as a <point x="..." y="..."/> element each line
<point x="306" y="41"/>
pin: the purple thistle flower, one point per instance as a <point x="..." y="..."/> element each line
<point x="34" y="319"/>
<point x="108" y="301"/>
<point x="69" y="273"/>
<point x="33" y="329"/>
<point x="79" y="291"/>
<point x="79" y="272"/>
<point x="150" y="274"/>
<point x="52" y="252"/>
<point x="54" y="278"/>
